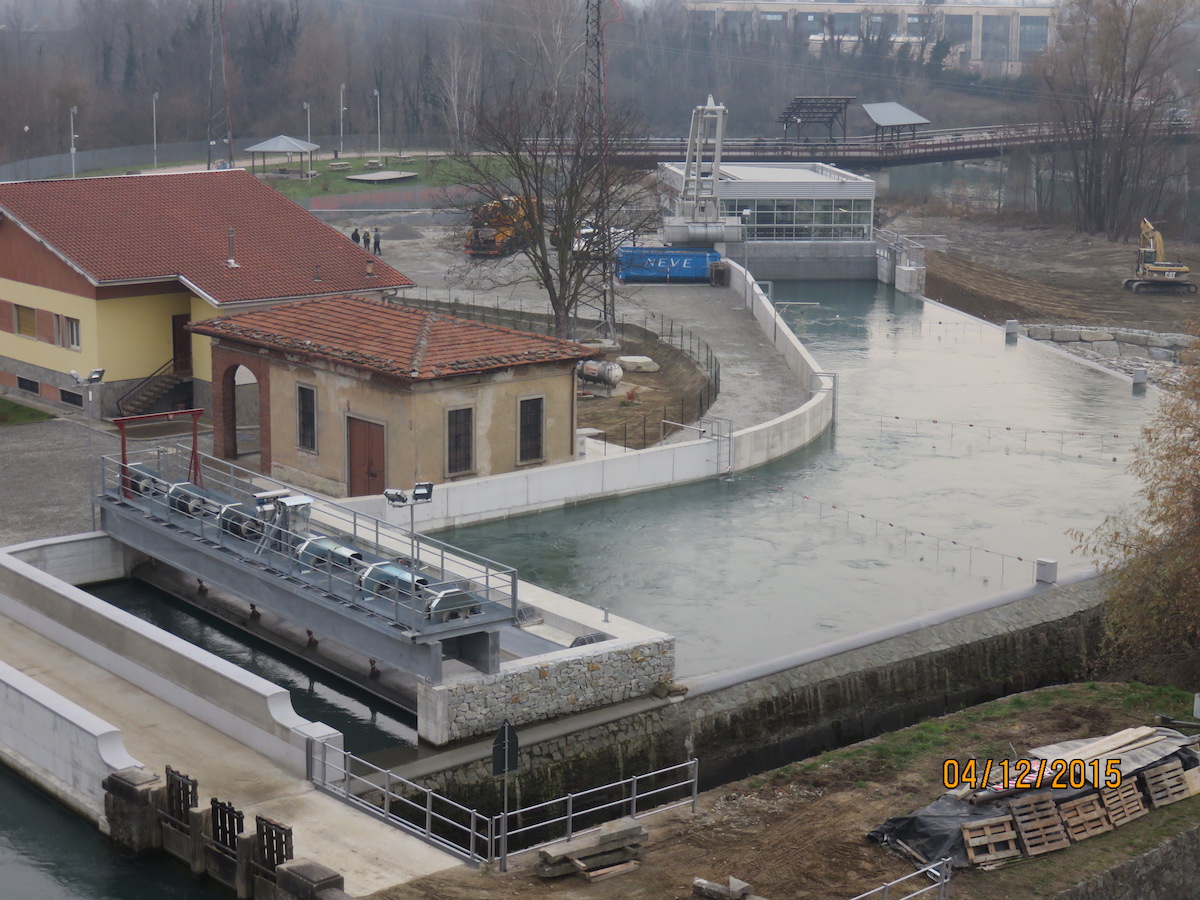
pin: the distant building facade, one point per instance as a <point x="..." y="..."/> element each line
<point x="357" y="395"/>
<point x="993" y="39"/>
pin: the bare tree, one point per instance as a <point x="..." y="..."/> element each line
<point x="1109" y="76"/>
<point x="1153" y="548"/>
<point x="563" y="161"/>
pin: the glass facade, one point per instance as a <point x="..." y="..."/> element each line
<point x="802" y="220"/>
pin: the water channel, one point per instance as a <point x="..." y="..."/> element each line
<point x="957" y="460"/>
<point x="991" y="450"/>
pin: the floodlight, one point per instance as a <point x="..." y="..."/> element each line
<point x="96" y="376"/>
<point x="422" y="492"/>
<point x="395" y="496"/>
<point x="78" y="378"/>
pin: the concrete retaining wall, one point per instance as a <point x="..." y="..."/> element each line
<point x="805" y="260"/>
<point x="242" y="705"/>
<point x="550" y="487"/>
<point x="59" y="746"/>
<point x="781" y="710"/>
<point x="550" y="685"/>
<point x="1171" y="871"/>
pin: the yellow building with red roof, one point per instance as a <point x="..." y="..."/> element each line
<point x="106" y="273"/>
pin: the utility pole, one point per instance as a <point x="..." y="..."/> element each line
<point x="342" y="121"/>
<point x="154" y="118"/>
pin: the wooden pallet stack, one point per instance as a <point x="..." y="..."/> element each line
<point x="1036" y="825"/>
<point x="614" y="849"/>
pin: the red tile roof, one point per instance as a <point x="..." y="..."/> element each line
<point x="176" y="226"/>
<point x="380" y="336"/>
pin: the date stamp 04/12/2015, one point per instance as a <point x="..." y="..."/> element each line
<point x="1031" y="773"/>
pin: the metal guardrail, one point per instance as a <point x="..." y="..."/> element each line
<point x="475" y="836"/>
<point x="938" y="871"/>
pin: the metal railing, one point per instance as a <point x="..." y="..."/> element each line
<point x="470" y="305"/>
<point x="475" y="836"/>
<point x="163" y="373"/>
<point x="221" y="510"/>
<point x="938" y="872"/>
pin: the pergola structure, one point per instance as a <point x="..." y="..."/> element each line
<point x="827" y="111"/>
<point x="281" y="144"/>
<point x="891" y="119"/>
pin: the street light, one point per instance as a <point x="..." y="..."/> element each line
<point x="74" y="109"/>
<point x="378" y="128"/>
<point x="308" y="117"/>
<point x="342" y="121"/>
<point x="93" y="378"/>
<point x="422" y="492"/>
<point x="154" y="113"/>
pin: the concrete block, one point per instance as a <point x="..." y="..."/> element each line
<point x="304" y="879"/>
<point x="1130" y="337"/>
<point x="1041" y="332"/>
<point x="1161" y="354"/>
<point x="131" y="800"/>
<point x="1065" y="335"/>
<point x="738" y="889"/>
<point x="637" y="364"/>
<point x="1109" y="349"/>
<point x="1095" y="334"/>
<point x="1137" y="351"/>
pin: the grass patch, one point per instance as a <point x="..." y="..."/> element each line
<point x="12" y="413"/>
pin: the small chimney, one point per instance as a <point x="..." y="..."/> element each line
<point x="231" y="263"/>
<point x="317" y="275"/>
<point x="370" y="268"/>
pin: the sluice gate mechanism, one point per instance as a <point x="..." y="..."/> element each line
<point x="394" y="596"/>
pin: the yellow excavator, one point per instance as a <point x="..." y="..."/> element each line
<point x="1154" y="272"/>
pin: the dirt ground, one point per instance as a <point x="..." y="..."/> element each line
<point x="1043" y="275"/>
<point x="799" y="832"/>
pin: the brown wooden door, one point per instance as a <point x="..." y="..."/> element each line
<point x="181" y="343"/>
<point x="365" y="445"/>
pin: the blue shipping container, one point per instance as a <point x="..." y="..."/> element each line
<point x="664" y="264"/>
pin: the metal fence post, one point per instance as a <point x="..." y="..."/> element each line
<point x="633" y="796"/>
<point x="695" y="782"/>
<point x="570" y="813"/>
<point x="428" y="813"/>
<point x="387" y="793"/>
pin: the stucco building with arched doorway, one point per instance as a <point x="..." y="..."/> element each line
<point x="359" y="394"/>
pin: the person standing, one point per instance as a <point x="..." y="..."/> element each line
<point x="377" y="236"/>
<point x="354" y="234"/>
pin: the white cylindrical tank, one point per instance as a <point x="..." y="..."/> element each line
<point x="597" y="371"/>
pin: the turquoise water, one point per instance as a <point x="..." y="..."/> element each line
<point x="957" y="459"/>
<point x="48" y="852"/>
<point x="369" y="724"/>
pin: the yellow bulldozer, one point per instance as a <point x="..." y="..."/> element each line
<point x="498" y="227"/>
<point x="1153" y="271"/>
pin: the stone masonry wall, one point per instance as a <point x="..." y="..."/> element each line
<point x="548" y="686"/>
<point x="1171" y="871"/>
<point x="766" y="721"/>
<point x="1120" y="348"/>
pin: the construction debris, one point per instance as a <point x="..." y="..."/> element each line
<point x="613" y="849"/>
<point x="712" y="890"/>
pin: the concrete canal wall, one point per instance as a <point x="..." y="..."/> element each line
<point x="59" y="746"/>
<point x="784" y="709"/>
<point x="218" y="693"/>
<point x="550" y="487"/>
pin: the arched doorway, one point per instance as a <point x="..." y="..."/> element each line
<point x="241" y="411"/>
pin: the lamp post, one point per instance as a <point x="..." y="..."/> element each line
<point x="342" y="121"/>
<point x="154" y="114"/>
<point x="93" y="378"/>
<point x="308" y="133"/>
<point x="422" y="492"/>
<point x="378" y="128"/>
<point x="74" y="109"/>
